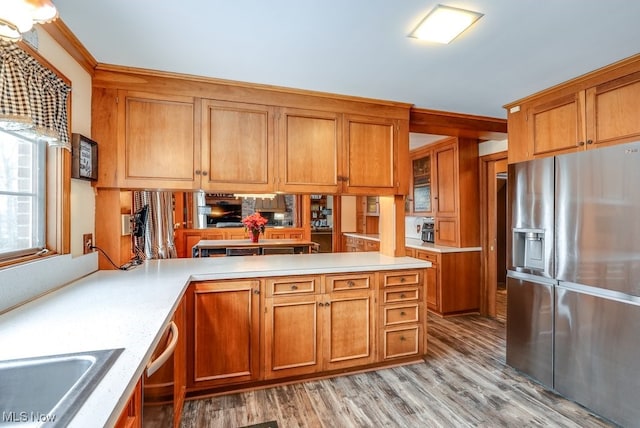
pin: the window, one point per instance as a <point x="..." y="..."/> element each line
<point x="22" y="196"/>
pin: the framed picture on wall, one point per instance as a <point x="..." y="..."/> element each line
<point x="84" y="157"/>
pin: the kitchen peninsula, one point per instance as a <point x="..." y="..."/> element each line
<point x="130" y="309"/>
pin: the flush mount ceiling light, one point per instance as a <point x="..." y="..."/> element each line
<point x="19" y="16"/>
<point x="444" y="23"/>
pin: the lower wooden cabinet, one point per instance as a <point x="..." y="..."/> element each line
<point x="453" y="281"/>
<point x="402" y="316"/>
<point x="244" y="332"/>
<point x="325" y="329"/>
<point x="224" y="332"/>
<point x="131" y="416"/>
<point x="353" y="244"/>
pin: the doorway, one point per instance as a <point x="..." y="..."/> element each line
<point x="494" y="185"/>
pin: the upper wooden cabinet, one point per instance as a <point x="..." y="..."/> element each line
<point x="370" y="155"/>
<point x="598" y="109"/>
<point x="165" y="131"/>
<point x="152" y="140"/>
<point x="237" y="147"/>
<point x="309" y="150"/>
<point x="421" y="180"/>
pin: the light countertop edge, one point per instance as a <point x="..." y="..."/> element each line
<point x="417" y="244"/>
<point x="130" y="309"/>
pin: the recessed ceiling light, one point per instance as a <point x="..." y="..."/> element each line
<point x="444" y="23"/>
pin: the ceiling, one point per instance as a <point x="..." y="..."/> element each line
<point x="361" y="48"/>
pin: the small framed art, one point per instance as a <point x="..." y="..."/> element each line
<point x="84" y="157"/>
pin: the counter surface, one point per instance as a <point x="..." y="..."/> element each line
<point x="130" y="309"/>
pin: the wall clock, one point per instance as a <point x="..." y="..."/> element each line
<point x="84" y="162"/>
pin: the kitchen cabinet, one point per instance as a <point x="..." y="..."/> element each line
<point x="421" y="181"/>
<point x="354" y="244"/>
<point x="309" y="150"/>
<point x="308" y="330"/>
<point x="402" y="332"/>
<point x="595" y="110"/>
<point x="453" y="281"/>
<point x="370" y="162"/>
<point x="224" y="332"/>
<point x="456" y="184"/>
<point x="131" y="416"/>
<point x="143" y="129"/>
<point x="237" y="147"/>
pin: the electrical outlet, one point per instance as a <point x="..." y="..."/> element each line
<point x="87" y="243"/>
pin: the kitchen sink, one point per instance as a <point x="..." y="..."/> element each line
<point x="50" y="389"/>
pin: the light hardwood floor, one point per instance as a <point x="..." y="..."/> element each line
<point x="463" y="382"/>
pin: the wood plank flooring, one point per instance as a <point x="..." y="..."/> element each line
<point x="463" y="382"/>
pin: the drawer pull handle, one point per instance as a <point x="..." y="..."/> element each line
<point x="320" y="304"/>
<point x="351" y="284"/>
<point x="294" y="287"/>
<point x="402" y="279"/>
<point x="402" y="339"/>
<point x="402" y="314"/>
<point x="154" y="365"/>
<point x="256" y="291"/>
<point x="402" y="296"/>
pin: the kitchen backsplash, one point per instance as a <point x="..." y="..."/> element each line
<point x="411" y="225"/>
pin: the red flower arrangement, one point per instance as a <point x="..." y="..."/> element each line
<point x="254" y="224"/>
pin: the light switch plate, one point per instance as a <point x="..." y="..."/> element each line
<point x="126" y="224"/>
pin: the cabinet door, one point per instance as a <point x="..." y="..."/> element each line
<point x="446" y="181"/>
<point x="370" y="150"/>
<point x="421" y="183"/>
<point x="432" y="294"/>
<point x="557" y="126"/>
<point x="292" y="336"/>
<point x="612" y="108"/>
<point x="348" y="328"/>
<point x="446" y="231"/>
<point x="309" y="143"/>
<point x="237" y="147"/>
<point x="226" y="332"/>
<point x="156" y="145"/>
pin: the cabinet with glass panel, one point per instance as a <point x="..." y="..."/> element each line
<point x="421" y="181"/>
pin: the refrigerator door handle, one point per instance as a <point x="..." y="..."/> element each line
<point x="600" y="292"/>
<point x="531" y="278"/>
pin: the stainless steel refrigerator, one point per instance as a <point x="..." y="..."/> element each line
<point x="578" y="330"/>
<point x="530" y="275"/>
<point x="597" y="259"/>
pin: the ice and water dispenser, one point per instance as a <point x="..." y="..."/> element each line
<point x="528" y="249"/>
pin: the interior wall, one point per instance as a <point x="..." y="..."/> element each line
<point x="348" y="214"/>
<point x="82" y="195"/>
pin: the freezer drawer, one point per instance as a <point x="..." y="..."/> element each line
<point x="597" y="358"/>
<point x="530" y="326"/>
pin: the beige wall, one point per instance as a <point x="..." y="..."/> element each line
<point x="82" y="195"/>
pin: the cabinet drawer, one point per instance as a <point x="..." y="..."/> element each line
<point x="395" y="295"/>
<point x="425" y="255"/>
<point x="401" y="342"/>
<point x="392" y="279"/>
<point x="371" y="245"/>
<point x="401" y="314"/>
<point x="293" y="286"/>
<point x="349" y="282"/>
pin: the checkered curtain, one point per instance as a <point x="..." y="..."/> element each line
<point x="33" y="99"/>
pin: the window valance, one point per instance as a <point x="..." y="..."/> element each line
<point x="33" y="99"/>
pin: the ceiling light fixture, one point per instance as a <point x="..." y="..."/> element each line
<point x="444" y="23"/>
<point x="19" y="16"/>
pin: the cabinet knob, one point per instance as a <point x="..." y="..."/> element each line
<point x="204" y="173"/>
<point x="589" y="141"/>
<point x="320" y="304"/>
<point x="581" y="143"/>
<point x="402" y="279"/>
<point x="351" y="284"/>
<point x="402" y="296"/>
<point x="402" y="339"/>
<point x="402" y="314"/>
<point x="198" y="172"/>
<point x="256" y="291"/>
<point x="294" y="287"/>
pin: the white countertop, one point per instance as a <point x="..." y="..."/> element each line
<point x="129" y="309"/>
<point x="418" y="244"/>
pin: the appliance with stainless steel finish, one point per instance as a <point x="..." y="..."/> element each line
<point x="428" y="230"/>
<point x="530" y="284"/>
<point x="597" y="351"/>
